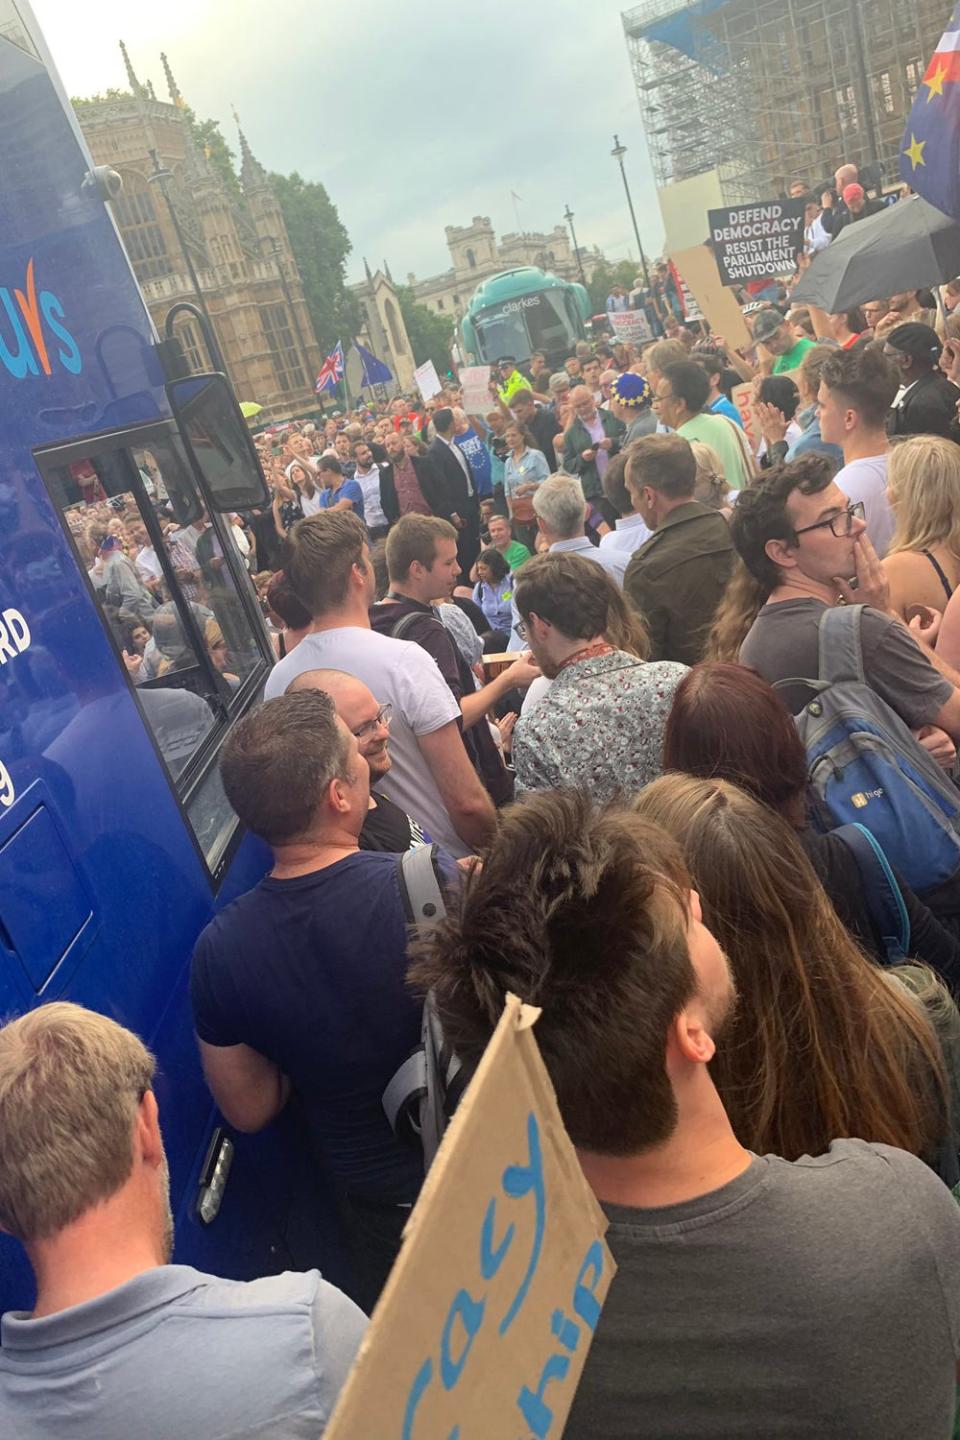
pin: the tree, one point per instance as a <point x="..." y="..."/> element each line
<point x="429" y="334"/>
<point x="605" y="276"/>
<point x="210" y="142"/>
<point x="320" y="246"/>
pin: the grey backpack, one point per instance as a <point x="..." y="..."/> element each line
<point x="424" y="1092"/>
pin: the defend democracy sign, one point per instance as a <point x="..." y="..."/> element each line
<point x="488" y="1314"/>
<point x="754" y="241"/>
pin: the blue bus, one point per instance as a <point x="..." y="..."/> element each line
<point x="119" y="684"/>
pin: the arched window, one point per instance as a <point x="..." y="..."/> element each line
<point x="396" y="338"/>
<point x="472" y="259"/>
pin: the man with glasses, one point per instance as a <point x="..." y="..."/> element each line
<point x="681" y="402"/>
<point x="386" y="826"/>
<point x="806" y="546"/>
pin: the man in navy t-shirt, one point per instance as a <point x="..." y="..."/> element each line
<point x="300" y="983"/>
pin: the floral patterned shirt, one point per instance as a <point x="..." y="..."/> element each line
<point x="599" y="727"/>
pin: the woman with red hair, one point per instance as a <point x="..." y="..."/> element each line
<point x="727" y="723"/>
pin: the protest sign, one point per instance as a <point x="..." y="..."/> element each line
<point x="691" y="310"/>
<point x="630" y="327"/>
<point x="699" y="270"/>
<point x="488" y="1314"/>
<point x="743" y="397"/>
<point x="752" y="242"/>
<point x="475" y="380"/>
<point x="428" y="381"/>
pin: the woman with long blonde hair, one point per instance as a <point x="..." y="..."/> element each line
<point x="922" y="564"/>
<point x="821" y="1043"/>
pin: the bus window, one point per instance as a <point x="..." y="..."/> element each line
<point x="548" y="323"/>
<point x="501" y="331"/>
<point x="174" y="598"/>
<point x="158" y="646"/>
<point x="219" y="442"/>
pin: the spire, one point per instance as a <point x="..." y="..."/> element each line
<point x="173" y="89"/>
<point x="252" y="174"/>
<point x="366" y="271"/>
<point x="132" y="80"/>
<point x="386" y="271"/>
<point x="152" y="94"/>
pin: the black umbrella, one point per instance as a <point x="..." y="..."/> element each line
<point x="907" y="246"/>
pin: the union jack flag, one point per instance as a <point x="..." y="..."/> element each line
<point x="331" y="371"/>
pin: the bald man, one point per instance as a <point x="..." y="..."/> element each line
<point x="386" y="827"/>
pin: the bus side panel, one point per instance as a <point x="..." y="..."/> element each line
<point x="92" y="798"/>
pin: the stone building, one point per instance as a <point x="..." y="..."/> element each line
<point x="382" y="331"/>
<point x="475" y="255"/>
<point x="233" y="235"/>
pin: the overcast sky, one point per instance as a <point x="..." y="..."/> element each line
<point x="414" y="116"/>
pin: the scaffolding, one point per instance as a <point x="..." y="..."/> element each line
<point x="769" y="91"/>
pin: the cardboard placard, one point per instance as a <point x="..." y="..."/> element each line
<point x="485" y="1322"/>
<point x="691" y="310"/>
<point x="743" y="398"/>
<point x="428" y="381"/>
<point x="752" y="242"/>
<point x="475" y="380"/>
<point x="630" y="327"/>
<point x="720" y="309"/>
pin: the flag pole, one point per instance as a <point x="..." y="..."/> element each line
<point x="346" y="388"/>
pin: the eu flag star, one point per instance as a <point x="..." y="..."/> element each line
<point x="935" y="82"/>
<point x="914" y="151"/>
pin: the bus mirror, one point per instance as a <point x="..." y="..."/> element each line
<point x="218" y="442"/>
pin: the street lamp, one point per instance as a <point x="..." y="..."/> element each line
<point x="276" y="254"/>
<point x="161" y="176"/>
<point x="568" y="216"/>
<point x="618" y="153"/>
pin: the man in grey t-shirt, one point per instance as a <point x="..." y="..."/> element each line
<point x="806" y="546"/>
<point x="754" y="1298"/>
<point x="121" y="1343"/>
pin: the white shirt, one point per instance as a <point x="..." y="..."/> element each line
<point x="369" y="482"/>
<point x="310" y="504"/>
<point x="866" y="480"/>
<point x="400" y="674"/>
<point x="147" y="565"/>
<point x="630" y="534"/>
<point x="614" y="561"/>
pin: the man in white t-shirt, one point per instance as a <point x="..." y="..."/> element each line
<point x="329" y="567"/>
<point x="857" y="388"/>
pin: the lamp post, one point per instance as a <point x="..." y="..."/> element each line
<point x="618" y="153"/>
<point x="276" y="254"/>
<point x="568" y="216"/>
<point x="161" y="176"/>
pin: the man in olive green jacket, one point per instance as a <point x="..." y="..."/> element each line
<point x="676" y="579"/>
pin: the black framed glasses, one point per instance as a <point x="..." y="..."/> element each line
<point x="382" y="717"/>
<point x="841" y="525"/>
<point x="520" y="630"/>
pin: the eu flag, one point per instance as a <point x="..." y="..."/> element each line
<point x="375" y="372"/>
<point x="930" y="153"/>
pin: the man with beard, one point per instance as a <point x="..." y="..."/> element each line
<point x="746" y="1284"/>
<point x="120" y="1342"/>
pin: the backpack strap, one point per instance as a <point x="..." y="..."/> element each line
<point x="405" y="623"/>
<point x="841" y="653"/>
<point x="420" y="890"/>
<point x="881" y="890"/>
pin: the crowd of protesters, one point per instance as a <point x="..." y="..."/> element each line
<point x="580" y="636"/>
